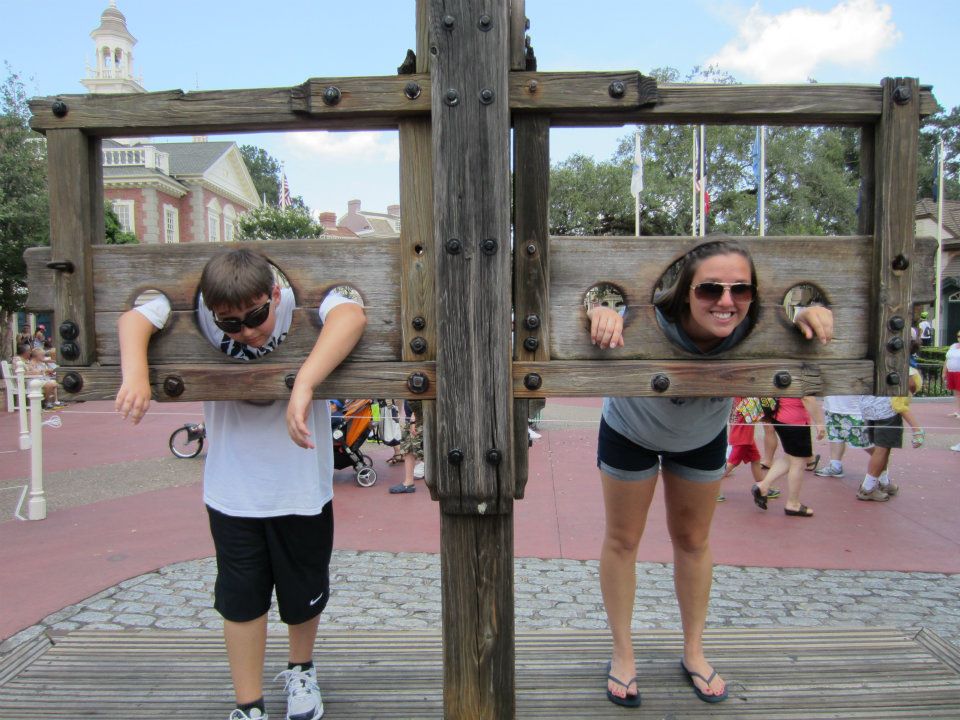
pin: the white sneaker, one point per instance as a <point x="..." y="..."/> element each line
<point x="955" y="448"/>
<point x="303" y="694"/>
<point x="828" y="471"/>
<point x="534" y="435"/>
<point x="418" y="470"/>
<point x="255" y="714"/>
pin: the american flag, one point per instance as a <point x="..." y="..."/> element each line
<point x="284" y="190"/>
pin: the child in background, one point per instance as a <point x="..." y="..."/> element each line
<point x="740" y="438"/>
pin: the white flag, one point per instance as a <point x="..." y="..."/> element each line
<point x="636" y="179"/>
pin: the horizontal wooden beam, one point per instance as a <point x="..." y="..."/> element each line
<point x="253" y="381"/>
<point x="380" y="102"/>
<point x="700" y="378"/>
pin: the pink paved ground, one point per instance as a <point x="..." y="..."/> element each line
<point x="79" y="551"/>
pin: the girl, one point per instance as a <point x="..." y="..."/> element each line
<point x="709" y="309"/>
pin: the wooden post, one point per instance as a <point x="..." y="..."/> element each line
<point x="76" y="220"/>
<point x="472" y="435"/>
<point x="531" y="266"/>
<point x="896" y="172"/>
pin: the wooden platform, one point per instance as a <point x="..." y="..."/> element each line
<point x="773" y="673"/>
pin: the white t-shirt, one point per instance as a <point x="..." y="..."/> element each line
<point x="842" y="404"/>
<point x="953" y="358"/>
<point x="253" y="468"/>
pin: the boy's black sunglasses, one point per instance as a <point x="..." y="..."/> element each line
<point x="740" y="292"/>
<point x="253" y="319"/>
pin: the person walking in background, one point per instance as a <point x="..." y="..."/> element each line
<point x="740" y="438"/>
<point x="844" y="426"/>
<point x="925" y="329"/>
<point x="791" y="422"/>
<point x="951" y="373"/>
<point x="410" y="448"/>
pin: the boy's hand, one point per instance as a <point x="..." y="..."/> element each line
<point x="821" y="432"/>
<point x="301" y="399"/>
<point x="606" y="327"/>
<point x="133" y="399"/>
<point x="815" y="321"/>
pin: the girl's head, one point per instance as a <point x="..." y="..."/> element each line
<point x="37" y="355"/>
<point x="714" y="291"/>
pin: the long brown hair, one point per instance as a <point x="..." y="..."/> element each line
<point x="673" y="302"/>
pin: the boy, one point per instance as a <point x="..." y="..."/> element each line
<point x="269" y="502"/>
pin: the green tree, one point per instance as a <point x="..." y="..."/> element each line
<point x="265" y="171"/>
<point x="23" y="197"/>
<point x="115" y="234"/>
<point x="273" y="223"/>
<point x="947" y="126"/>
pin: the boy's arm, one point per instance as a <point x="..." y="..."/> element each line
<point x="133" y="398"/>
<point x="816" y="413"/>
<point x="815" y="320"/>
<point x="342" y="329"/>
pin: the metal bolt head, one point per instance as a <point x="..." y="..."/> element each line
<point x="454" y="246"/>
<point x="455" y="456"/>
<point x="331" y="96"/>
<point x="69" y="330"/>
<point x="489" y="246"/>
<point x="412" y="90"/>
<point x="418" y="323"/>
<point x="448" y="22"/>
<point x="660" y="383"/>
<point x="901" y="94"/>
<point x="895" y="344"/>
<point x="289" y="379"/>
<point x="418" y="383"/>
<point x="532" y="86"/>
<point x="531" y="322"/>
<point x="493" y="456"/>
<point x="72" y="382"/>
<point x="486" y="96"/>
<point x="532" y="381"/>
<point x="896" y="323"/>
<point x="893" y="378"/>
<point x="900" y="263"/>
<point x="531" y="344"/>
<point x="418" y="345"/>
<point x="59" y="108"/>
<point x="173" y="385"/>
<point x="451" y="97"/>
<point x="782" y="379"/>
<point x="617" y="89"/>
<point x="531" y="249"/>
<point x="69" y="350"/>
<point x="485" y="22"/>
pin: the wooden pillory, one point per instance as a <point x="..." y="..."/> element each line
<point x="439" y="300"/>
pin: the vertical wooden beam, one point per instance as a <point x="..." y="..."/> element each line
<point x="896" y="189"/>
<point x="518" y="34"/>
<point x="531" y="266"/>
<point x="472" y="435"/>
<point x="423" y="36"/>
<point x="868" y="180"/>
<point x="76" y="222"/>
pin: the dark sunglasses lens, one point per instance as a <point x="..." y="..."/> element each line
<point x="741" y="291"/>
<point x="708" y="291"/>
<point x="256" y="318"/>
<point x="230" y="325"/>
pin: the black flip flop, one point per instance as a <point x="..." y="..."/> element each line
<point x="759" y="499"/>
<point x="700" y="693"/>
<point x="802" y="511"/>
<point x="813" y="464"/>
<point x="629" y="700"/>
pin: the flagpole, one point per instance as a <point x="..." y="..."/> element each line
<point x="693" y="179"/>
<point x="762" y="189"/>
<point x="703" y="184"/>
<point x="939" y="258"/>
<point x="636" y="180"/>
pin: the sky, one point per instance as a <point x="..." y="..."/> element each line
<point x="210" y="44"/>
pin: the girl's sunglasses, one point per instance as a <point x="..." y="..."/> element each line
<point x="253" y="319"/>
<point x="713" y="291"/>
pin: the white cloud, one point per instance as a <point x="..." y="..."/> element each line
<point x="366" y="147"/>
<point x="789" y="47"/>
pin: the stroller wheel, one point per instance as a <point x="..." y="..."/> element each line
<point x="366" y="476"/>
<point x="366" y="460"/>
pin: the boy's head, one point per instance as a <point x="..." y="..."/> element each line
<point x="238" y="288"/>
<point x="24" y="350"/>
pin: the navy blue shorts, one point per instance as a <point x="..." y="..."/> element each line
<point x="621" y="458"/>
<point x="255" y="555"/>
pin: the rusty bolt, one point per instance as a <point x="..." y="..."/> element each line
<point x="660" y="383"/>
<point x="896" y="323"/>
<point x="331" y="96"/>
<point x="893" y="378"/>
<point x="895" y="344"/>
<point x="486" y="96"/>
<point x="489" y="246"/>
<point x="412" y="90"/>
<point x="901" y="94"/>
<point x="532" y="381"/>
<point x="418" y="383"/>
<point x="531" y="249"/>
<point x="448" y="22"/>
<point x="69" y="350"/>
<point x="617" y="89"/>
<point x="454" y="246"/>
<point x="532" y="86"/>
<point x="485" y="23"/>
<point x="531" y="344"/>
<point x="69" y="330"/>
<point x="493" y="456"/>
<point x="451" y="97"/>
<point x="418" y="323"/>
<point x="455" y="456"/>
<point x="59" y="108"/>
<point x="532" y="322"/>
<point x="900" y="263"/>
<point x="418" y="345"/>
<point x="782" y="379"/>
<point x="72" y="382"/>
<point x="173" y="385"/>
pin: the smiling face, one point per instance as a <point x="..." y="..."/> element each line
<point x="254" y="337"/>
<point x="708" y="322"/>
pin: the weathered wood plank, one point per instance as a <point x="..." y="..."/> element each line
<point x="76" y="214"/>
<point x="923" y="286"/>
<point x="379" y="103"/>
<point x="471" y="166"/>
<point x="868" y="179"/>
<point x="773" y="673"/>
<point x="697" y="378"/>
<point x="898" y="136"/>
<point x="255" y="381"/>
<point x="518" y="34"/>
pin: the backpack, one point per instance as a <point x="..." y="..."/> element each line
<point x="769" y="405"/>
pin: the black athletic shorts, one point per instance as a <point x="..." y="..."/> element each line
<point x="795" y="439"/>
<point x="255" y="555"/>
<point x="623" y="459"/>
<point x="886" y="433"/>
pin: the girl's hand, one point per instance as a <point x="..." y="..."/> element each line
<point x="606" y="327"/>
<point x="815" y="321"/>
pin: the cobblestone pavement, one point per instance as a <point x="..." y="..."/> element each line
<point x="402" y="591"/>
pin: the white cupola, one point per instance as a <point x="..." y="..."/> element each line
<point x="112" y="71"/>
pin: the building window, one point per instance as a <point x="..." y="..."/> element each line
<point x="123" y="209"/>
<point x="229" y="223"/>
<point x="171" y="224"/>
<point x="228" y="231"/>
<point x="213" y="226"/>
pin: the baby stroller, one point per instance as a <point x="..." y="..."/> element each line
<point x="351" y="428"/>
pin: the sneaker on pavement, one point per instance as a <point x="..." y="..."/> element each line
<point x="955" y="448"/>
<point x="255" y="714"/>
<point x="877" y="495"/>
<point x="890" y="489"/>
<point x="828" y="471"/>
<point x="418" y="470"/>
<point x="303" y="694"/>
<point x="773" y="493"/>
